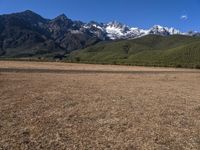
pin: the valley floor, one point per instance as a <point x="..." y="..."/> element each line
<point x="82" y="106"/>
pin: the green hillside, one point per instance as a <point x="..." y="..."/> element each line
<point x="152" y="50"/>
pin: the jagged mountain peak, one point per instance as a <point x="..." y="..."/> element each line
<point x="26" y="19"/>
<point x="28" y="12"/>
<point x="116" y="24"/>
<point x="164" y="31"/>
<point x="95" y="24"/>
<point x="61" y="23"/>
<point x="62" y="17"/>
<point x="158" y="26"/>
<point x="116" y="30"/>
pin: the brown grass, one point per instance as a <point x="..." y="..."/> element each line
<point x="98" y="110"/>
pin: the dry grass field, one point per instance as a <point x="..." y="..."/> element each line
<point x="80" y="106"/>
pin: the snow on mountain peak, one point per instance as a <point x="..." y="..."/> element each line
<point x="158" y="27"/>
<point x="115" y="24"/>
<point x="160" y="30"/>
<point x="174" y="31"/>
<point x="116" y="30"/>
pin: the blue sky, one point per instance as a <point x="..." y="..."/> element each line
<point x="181" y="14"/>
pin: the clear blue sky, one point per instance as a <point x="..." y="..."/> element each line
<point x="181" y="14"/>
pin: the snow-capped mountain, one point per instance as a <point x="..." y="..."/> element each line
<point x="164" y="31"/>
<point x="32" y="31"/>
<point x="115" y="30"/>
<point x="97" y="29"/>
<point x="193" y="33"/>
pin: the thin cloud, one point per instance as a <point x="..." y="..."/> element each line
<point x="184" y="17"/>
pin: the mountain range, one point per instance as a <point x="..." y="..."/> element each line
<point x="27" y="34"/>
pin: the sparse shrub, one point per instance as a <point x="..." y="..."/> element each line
<point x="58" y="57"/>
<point x="77" y="59"/>
<point x="179" y="66"/>
<point x="197" y="66"/>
